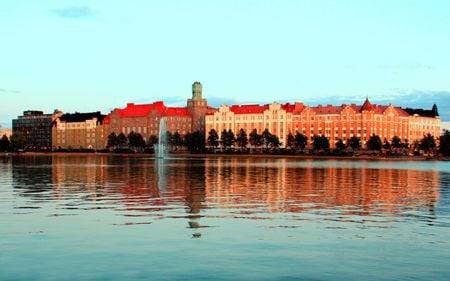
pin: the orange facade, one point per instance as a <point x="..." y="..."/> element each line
<point x="333" y="122"/>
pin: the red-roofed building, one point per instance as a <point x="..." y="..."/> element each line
<point x="334" y="122"/>
<point x="145" y="118"/>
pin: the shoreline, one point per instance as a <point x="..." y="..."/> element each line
<point x="219" y="155"/>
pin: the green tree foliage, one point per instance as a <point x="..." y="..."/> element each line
<point x="242" y="139"/>
<point x="4" y="143"/>
<point x="386" y="144"/>
<point x="374" y="142"/>
<point x="427" y="143"/>
<point x="444" y="143"/>
<point x="195" y="142"/>
<point x="213" y="138"/>
<point x="290" y="140"/>
<point x="152" y="140"/>
<point x="300" y="141"/>
<point x="122" y="140"/>
<point x="17" y="141"/>
<point x="227" y="138"/>
<point x="396" y="142"/>
<point x="112" y="140"/>
<point x="321" y="142"/>
<point x="266" y="138"/>
<point x="354" y="142"/>
<point x="340" y="145"/>
<point x="177" y="140"/>
<point x="169" y="139"/>
<point x="136" y="141"/>
<point x="255" y="139"/>
<point x="274" y="141"/>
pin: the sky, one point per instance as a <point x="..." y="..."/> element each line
<point x="98" y="55"/>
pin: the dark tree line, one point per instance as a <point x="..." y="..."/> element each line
<point x="193" y="142"/>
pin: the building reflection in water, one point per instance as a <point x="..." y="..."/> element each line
<point x="284" y="187"/>
<point x="135" y="184"/>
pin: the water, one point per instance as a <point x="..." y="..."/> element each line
<point x="118" y="218"/>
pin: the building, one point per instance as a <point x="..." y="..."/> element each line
<point x="5" y="132"/>
<point x="334" y="122"/>
<point x="145" y="118"/>
<point x="78" y="131"/>
<point x="36" y="127"/>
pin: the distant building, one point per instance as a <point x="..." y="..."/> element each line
<point x="5" y="132"/>
<point x="35" y="126"/>
<point x="78" y="131"/>
<point x="333" y="122"/>
<point x="145" y="118"/>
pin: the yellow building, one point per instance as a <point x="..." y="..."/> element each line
<point x="79" y="131"/>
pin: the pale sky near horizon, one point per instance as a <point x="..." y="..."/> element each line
<point x="97" y="55"/>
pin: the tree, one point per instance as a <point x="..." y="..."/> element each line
<point x="354" y="142"/>
<point x="121" y="140"/>
<point x="396" y="142"/>
<point x="169" y="139"/>
<point x="152" y="140"/>
<point x="227" y="138"/>
<point x="321" y="142"/>
<point x="255" y="139"/>
<point x="427" y="143"/>
<point x="17" y="141"/>
<point x="213" y="139"/>
<point x="374" y="142"/>
<point x="195" y="142"/>
<point x="340" y="145"/>
<point x="290" y="140"/>
<point x="136" y="141"/>
<point x="4" y="143"/>
<point x="177" y="140"/>
<point x="112" y="140"/>
<point x="300" y="141"/>
<point x="274" y="141"/>
<point x="242" y="139"/>
<point x="444" y="143"/>
<point x="386" y="144"/>
<point x="266" y="137"/>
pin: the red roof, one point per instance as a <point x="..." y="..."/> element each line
<point x="249" y="108"/>
<point x="367" y="106"/>
<point x="176" y="111"/>
<point x="143" y="110"/>
<point x="140" y="110"/>
<point x="107" y="119"/>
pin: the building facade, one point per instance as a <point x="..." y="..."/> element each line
<point x="36" y="127"/>
<point x="78" y="131"/>
<point x="145" y="118"/>
<point x="334" y="122"/>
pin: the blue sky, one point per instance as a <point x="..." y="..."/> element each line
<point x="96" y="55"/>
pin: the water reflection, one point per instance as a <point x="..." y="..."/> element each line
<point x="245" y="186"/>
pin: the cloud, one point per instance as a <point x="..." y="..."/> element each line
<point x="75" y="12"/>
<point x="9" y="91"/>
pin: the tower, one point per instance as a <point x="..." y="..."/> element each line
<point x="197" y="107"/>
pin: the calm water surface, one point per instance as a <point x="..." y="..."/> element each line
<point x="117" y="218"/>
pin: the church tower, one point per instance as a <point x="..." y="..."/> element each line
<point x="197" y="107"/>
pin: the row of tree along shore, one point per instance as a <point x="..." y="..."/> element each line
<point x="264" y="143"/>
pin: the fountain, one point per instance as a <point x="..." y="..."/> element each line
<point x="162" y="140"/>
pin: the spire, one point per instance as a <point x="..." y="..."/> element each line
<point x="435" y="110"/>
<point x="367" y="106"/>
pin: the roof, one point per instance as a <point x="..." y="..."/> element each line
<point x="81" y="117"/>
<point x="143" y="110"/>
<point x="367" y="106"/>
<point x="423" y="112"/>
<point x="249" y="108"/>
<point x="140" y="110"/>
<point x="176" y="111"/>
